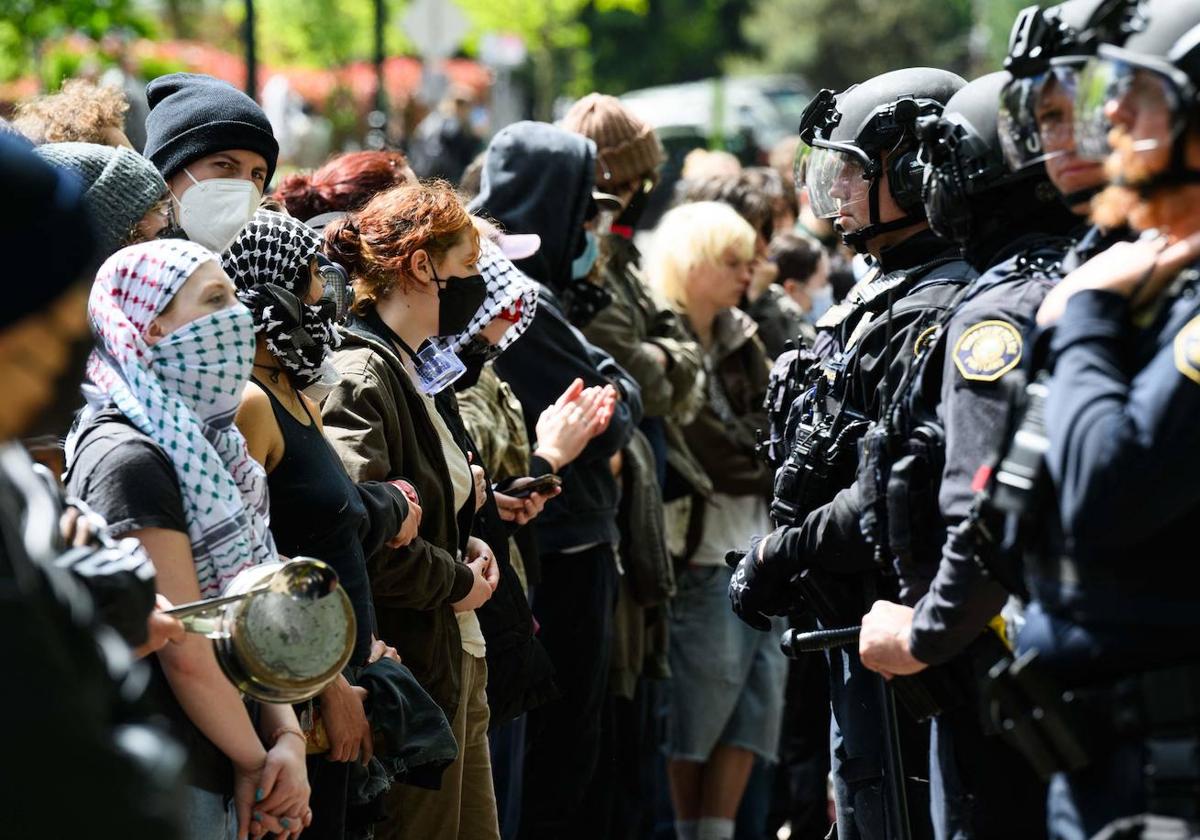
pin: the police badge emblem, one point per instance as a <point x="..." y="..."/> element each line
<point x="987" y="351"/>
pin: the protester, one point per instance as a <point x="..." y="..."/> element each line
<point x="411" y="252"/>
<point x="123" y="191"/>
<point x="646" y="338"/>
<point x="771" y="184"/>
<point x="444" y="143"/>
<point x="700" y="164"/>
<point x="127" y="201"/>
<point x="345" y="183"/>
<point x="539" y="179"/>
<point x="802" y="272"/>
<point x="520" y="672"/>
<point x="82" y="112"/>
<point x="214" y="146"/>
<point x="156" y="453"/>
<point x="316" y="511"/>
<point x="753" y="193"/>
<point x="727" y="692"/>
<point x="79" y="690"/>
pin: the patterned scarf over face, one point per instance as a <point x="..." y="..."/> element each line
<point x="270" y="263"/>
<point x="183" y="392"/>
<point x="506" y="286"/>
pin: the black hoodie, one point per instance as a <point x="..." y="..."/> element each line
<point x="538" y="179"/>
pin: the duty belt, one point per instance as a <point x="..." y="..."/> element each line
<point x="1061" y="731"/>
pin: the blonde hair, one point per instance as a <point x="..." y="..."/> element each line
<point x="692" y="235"/>
<point x="79" y="113"/>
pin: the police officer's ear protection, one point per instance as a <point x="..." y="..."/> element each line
<point x="905" y="171"/>
<point x="906" y="175"/>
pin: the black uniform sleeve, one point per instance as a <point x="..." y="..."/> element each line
<point x="975" y="400"/>
<point x="1123" y="446"/>
<point x="959" y="604"/>
<point x="830" y="538"/>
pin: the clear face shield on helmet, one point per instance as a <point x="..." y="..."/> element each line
<point x="837" y="181"/>
<point x="1036" y="117"/>
<point x="1136" y="109"/>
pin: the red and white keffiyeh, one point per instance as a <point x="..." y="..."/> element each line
<point x="183" y="392"/>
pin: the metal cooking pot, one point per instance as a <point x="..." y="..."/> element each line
<point x="276" y="640"/>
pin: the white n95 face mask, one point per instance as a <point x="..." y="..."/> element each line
<point x="213" y="212"/>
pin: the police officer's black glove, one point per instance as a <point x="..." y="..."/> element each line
<point x="759" y="589"/>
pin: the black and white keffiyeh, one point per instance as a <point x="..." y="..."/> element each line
<point x="270" y="263"/>
<point x="506" y="284"/>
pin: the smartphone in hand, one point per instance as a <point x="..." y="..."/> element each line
<point x="542" y="484"/>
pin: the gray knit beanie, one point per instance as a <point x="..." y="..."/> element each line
<point x="119" y="186"/>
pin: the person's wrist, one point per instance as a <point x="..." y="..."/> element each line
<point x="550" y="455"/>
<point x="250" y="762"/>
<point x="282" y="731"/>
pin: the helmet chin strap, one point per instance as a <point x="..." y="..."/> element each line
<point x="859" y="239"/>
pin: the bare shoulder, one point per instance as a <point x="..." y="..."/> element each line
<point x="256" y="421"/>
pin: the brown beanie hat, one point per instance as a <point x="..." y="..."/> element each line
<point x="626" y="147"/>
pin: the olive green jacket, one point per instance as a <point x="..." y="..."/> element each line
<point x="378" y="425"/>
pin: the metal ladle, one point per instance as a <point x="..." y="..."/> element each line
<point x="303" y="578"/>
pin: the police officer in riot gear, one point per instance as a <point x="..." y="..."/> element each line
<point x="948" y="418"/>
<point x="1035" y="131"/>
<point x="863" y="172"/>
<point x="1112" y="627"/>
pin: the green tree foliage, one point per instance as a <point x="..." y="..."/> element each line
<point x="557" y="35"/>
<point x="669" y="41"/>
<point x="25" y="25"/>
<point x="320" y="33"/>
<point x="835" y="43"/>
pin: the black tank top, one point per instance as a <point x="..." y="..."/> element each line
<point x="316" y="511"/>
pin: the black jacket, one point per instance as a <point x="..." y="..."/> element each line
<point x="538" y="179"/>
<point x="866" y="354"/>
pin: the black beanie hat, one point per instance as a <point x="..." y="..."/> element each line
<point x="193" y="115"/>
<point x="45" y="232"/>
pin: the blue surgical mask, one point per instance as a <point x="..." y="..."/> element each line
<point x="582" y="265"/>
<point x="821" y="300"/>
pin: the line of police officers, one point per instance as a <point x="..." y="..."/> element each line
<point x="985" y="462"/>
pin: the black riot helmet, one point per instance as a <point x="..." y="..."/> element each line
<point x="971" y="196"/>
<point x="1155" y="70"/>
<point x="848" y="134"/>
<point x="1046" y="50"/>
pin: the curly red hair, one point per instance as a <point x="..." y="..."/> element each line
<point x="376" y="244"/>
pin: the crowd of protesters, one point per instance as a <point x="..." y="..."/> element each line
<point x="523" y="447"/>
<point x="352" y="505"/>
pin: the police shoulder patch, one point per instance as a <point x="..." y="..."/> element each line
<point x="987" y="350"/>
<point x="1187" y="350"/>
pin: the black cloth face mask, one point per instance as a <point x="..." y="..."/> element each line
<point x="459" y="298"/>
